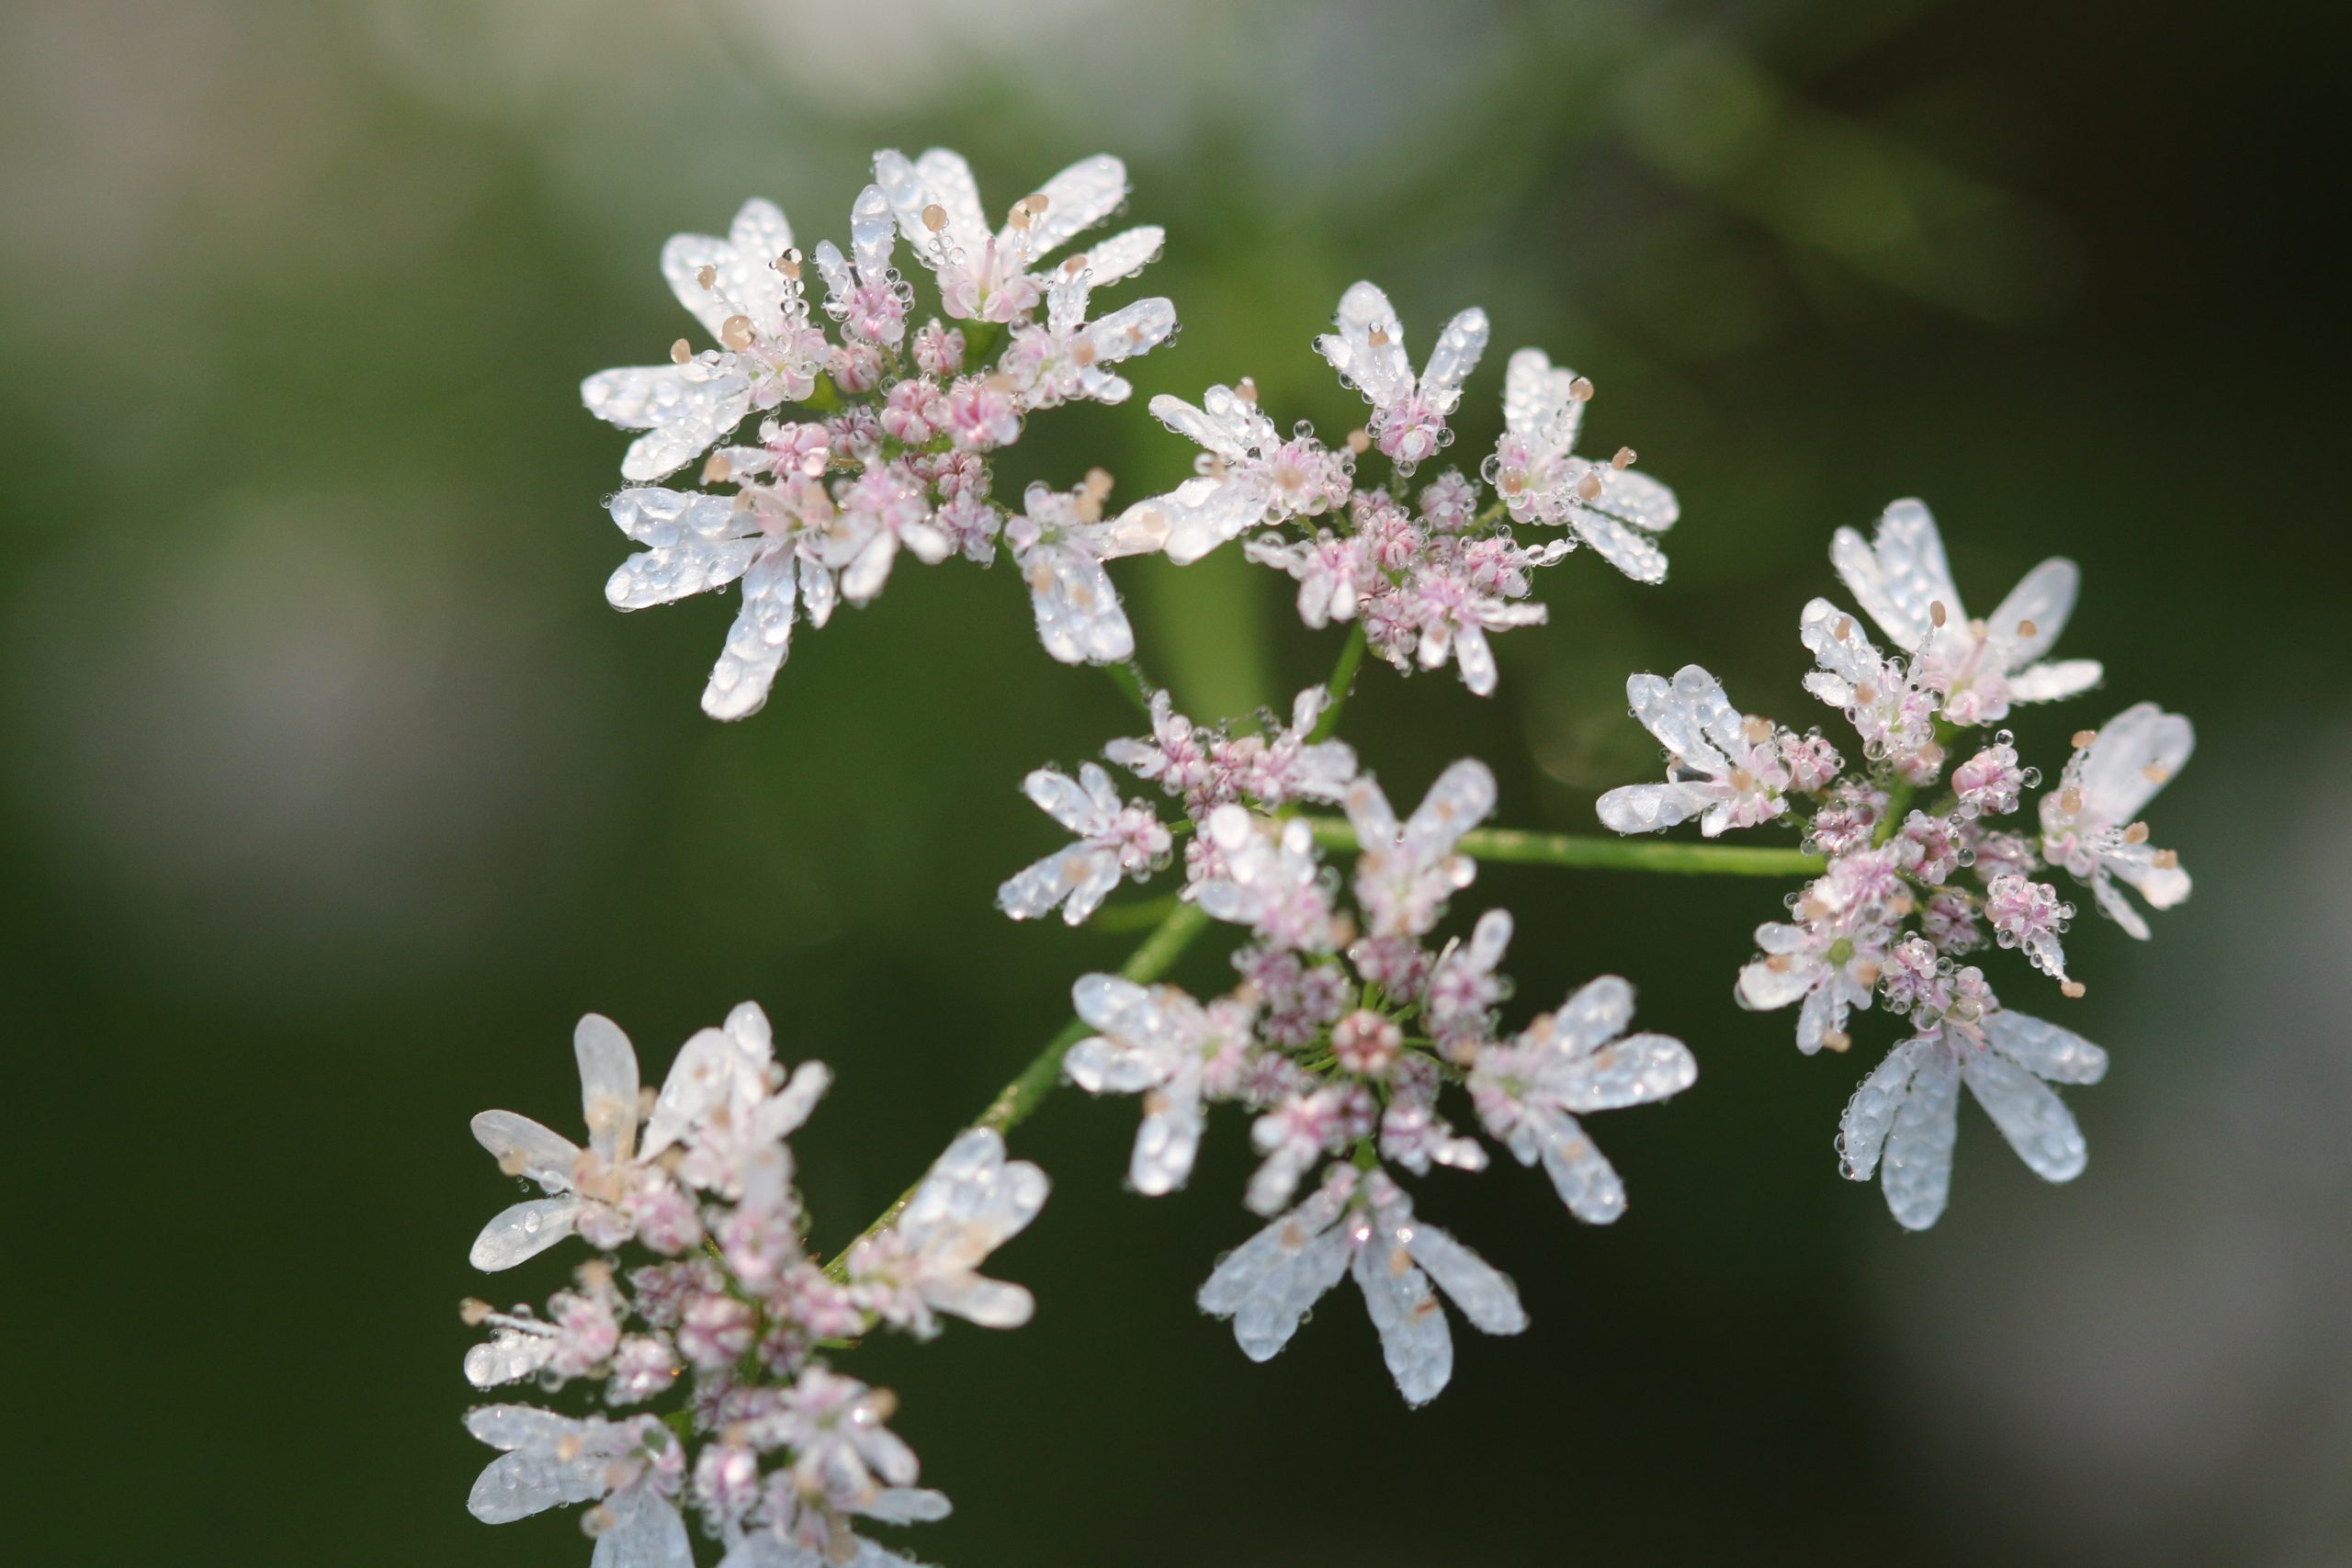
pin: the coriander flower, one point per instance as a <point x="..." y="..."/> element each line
<point x="1060" y="543"/>
<point x="2090" y="823"/>
<point x="1206" y="769"/>
<point x="972" y="1202"/>
<point x="985" y="277"/>
<point x="1265" y="876"/>
<point x="1530" y="1091"/>
<point x="1978" y="667"/>
<point x="1406" y="872"/>
<point x="1883" y="698"/>
<point x="631" y="1469"/>
<point x="1070" y="356"/>
<point x="1251" y="475"/>
<point x="1160" y="1043"/>
<point x="1609" y="507"/>
<point x="1729" y="767"/>
<point x="1829" y="958"/>
<point x="1364" y="1225"/>
<point x="1368" y="351"/>
<point x="727" y="1106"/>
<point x="745" y="290"/>
<point x="1113" y="840"/>
<point x="864" y="295"/>
<point x="1903" y="1118"/>
<point x="602" y="1191"/>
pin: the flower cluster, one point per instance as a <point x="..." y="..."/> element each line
<point x="1427" y="574"/>
<point x="876" y="436"/>
<point x="1344" y="1030"/>
<point x="726" y="1318"/>
<point x="1909" y="893"/>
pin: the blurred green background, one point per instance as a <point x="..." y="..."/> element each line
<point x="334" y="792"/>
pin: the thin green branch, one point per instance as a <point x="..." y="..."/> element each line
<point x="1013" y="1102"/>
<point x="1343" y="676"/>
<point x="1591" y="851"/>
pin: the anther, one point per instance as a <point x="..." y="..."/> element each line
<point x="681" y="352"/>
<point x="934" y="218"/>
<point x="717" y="470"/>
<point x="1359" y="441"/>
<point x="1837" y="1040"/>
<point x="2136" y="834"/>
<point x="1588" y="487"/>
<point x="1623" y="459"/>
<point x="2071" y="989"/>
<point x="2155" y="773"/>
<point x="1378" y="337"/>
<point x="1936" y="611"/>
<point x="1845" y="629"/>
<point x="882" y="1402"/>
<point x="2026" y="628"/>
<point x="473" y="1311"/>
<point x="1246" y="389"/>
<point x="1098" y="482"/>
<point x="2070" y="801"/>
<point x="2167" y="859"/>
<point x="2083" y="739"/>
<point x="1037" y="202"/>
<point x="1758" y="729"/>
<point x="1075" y="265"/>
<point x="1580" y="390"/>
<point x="708" y="275"/>
<point x="735" y="331"/>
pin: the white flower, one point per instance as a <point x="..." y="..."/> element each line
<point x="591" y="1185"/>
<point x="1060" y="543"/>
<point x="1830" y="957"/>
<point x="863" y="294"/>
<point x="985" y="277"/>
<point x="1113" y="840"/>
<point x="1718" y="763"/>
<point x="1979" y="667"/>
<point x="1883" y="698"/>
<point x="1364" y="1225"/>
<point x="1251" y="474"/>
<point x="2089" y="824"/>
<point x="1267" y="879"/>
<point x="1904" y="1116"/>
<point x="768" y="352"/>
<point x="1611" y="507"/>
<point x="1406" y="872"/>
<point x="698" y="542"/>
<point x="633" y="1467"/>
<point x="1070" y="356"/>
<point x="1368" y="351"/>
<point x="731" y="1107"/>
<point x="973" y="1202"/>
<point x="1158" y="1042"/>
<point x="1530" y="1091"/>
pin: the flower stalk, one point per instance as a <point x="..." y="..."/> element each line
<point x="1589" y="852"/>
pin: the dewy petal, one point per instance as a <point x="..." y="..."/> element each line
<point x="2044" y="1049"/>
<point x="1414" y="1339"/>
<point x="1166" y="1146"/>
<point x="1380" y="370"/>
<point x="1647" y="808"/>
<point x="1870" y="1114"/>
<point x="511" y="1427"/>
<point x="1596" y="1011"/>
<point x="1900" y="574"/>
<point x="1123" y="255"/>
<point x="646" y="1533"/>
<point x="608" y="1084"/>
<point x="1267" y="1284"/>
<point x="1682" y="714"/>
<point x="991" y="1304"/>
<point x="1764" y="986"/>
<point x="679" y="571"/>
<point x="1583" y="1177"/>
<point x="516" y="1485"/>
<point x="2137" y="753"/>
<point x="1079" y="616"/>
<point x="1538" y="403"/>
<point x="757" y="643"/>
<point x="1076" y="199"/>
<point x="531" y="1149"/>
<point x="1621" y="547"/>
<point x="1916" y="1168"/>
<point x="1637" y="499"/>
<point x="2028" y="1113"/>
<point x="746" y="281"/>
<point x="523" y="1231"/>
<point x="2043" y="599"/>
<point x="1455" y="355"/>
<point x="1636" y="1070"/>
<point x="1483" y="1291"/>
<point x="2054" y="679"/>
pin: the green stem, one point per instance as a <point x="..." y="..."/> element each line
<point x="1343" y="676"/>
<point x="1590" y="852"/>
<point x="1016" y="1099"/>
<point x="1130" y="679"/>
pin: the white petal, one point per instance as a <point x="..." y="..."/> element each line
<point x="1916" y="1169"/>
<point x="1454" y="357"/>
<point x="2043" y="599"/>
<point x="516" y="1485"/>
<point x="1379" y="370"/>
<point x="1646" y="809"/>
<point x="1899" y="576"/>
<point x="1166" y="1146"/>
<point x="1123" y="255"/>
<point x="991" y="1304"/>
<point x="1538" y="404"/>
<point x="1079" y="616"/>
<point x="680" y="572"/>
<point x="1414" y="1339"/>
<point x="1683" y="714"/>
<point x="1065" y="800"/>
<point x="2044" y="1049"/>
<point x="608" y="1083"/>
<point x="757" y="642"/>
<point x="1078" y="199"/>
<point x="1636" y="1070"/>
<point x="647" y="1533"/>
<point x="2055" y="679"/>
<point x="2137" y="753"/>
<point x="1583" y="1177"/>
<point x="1870" y="1114"/>
<point x="1637" y="499"/>
<point x="522" y="1232"/>
<point x="1483" y="1291"/>
<point x="1621" y="547"/>
<point x="2028" y="1113"/>
<point x="1595" y="1012"/>
<point x="533" y="1150"/>
<point x="1763" y="987"/>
